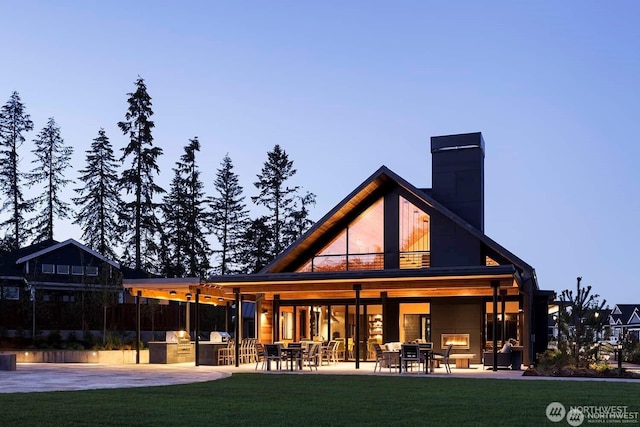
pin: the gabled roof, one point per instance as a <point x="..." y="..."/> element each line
<point x="55" y="246"/>
<point x="623" y="313"/>
<point x="634" y="319"/>
<point x="361" y="197"/>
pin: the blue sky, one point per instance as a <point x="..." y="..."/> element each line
<point x="347" y="86"/>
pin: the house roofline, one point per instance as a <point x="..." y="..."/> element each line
<point x="65" y="243"/>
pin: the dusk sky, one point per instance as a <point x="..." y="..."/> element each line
<point x="348" y="86"/>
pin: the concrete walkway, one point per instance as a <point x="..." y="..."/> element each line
<point x="36" y="377"/>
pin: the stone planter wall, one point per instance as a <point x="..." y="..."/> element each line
<point x="106" y="357"/>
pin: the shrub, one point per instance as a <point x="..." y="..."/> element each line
<point x="54" y="339"/>
<point x="551" y="361"/>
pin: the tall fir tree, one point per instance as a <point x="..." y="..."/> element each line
<point x="230" y="218"/>
<point x="14" y="123"/>
<point x="52" y="158"/>
<point x="299" y="221"/>
<point x="257" y="245"/>
<point x="185" y="219"/>
<point x="99" y="201"/>
<point x="139" y="215"/>
<point x="280" y="199"/>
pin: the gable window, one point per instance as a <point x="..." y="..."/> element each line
<point x="48" y="268"/>
<point x="77" y="270"/>
<point x="415" y="243"/>
<point x="490" y="261"/>
<point x="91" y="271"/>
<point x="63" y="269"/>
<point x="359" y="246"/>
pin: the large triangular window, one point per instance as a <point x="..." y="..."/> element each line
<point x="360" y="246"/>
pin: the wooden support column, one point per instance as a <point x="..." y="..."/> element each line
<point x="275" y="329"/>
<point x="197" y="322"/>
<point x="357" y="288"/>
<point x="383" y="297"/>
<point x="495" y="284"/>
<point x="138" y="298"/>
<point x="503" y="303"/>
<point x="238" y="338"/>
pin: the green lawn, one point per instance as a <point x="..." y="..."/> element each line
<point x="317" y="400"/>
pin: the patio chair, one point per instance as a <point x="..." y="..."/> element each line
<point x="227" y="355"/>
<point x="310" y="357"/>
<point x="379" y="357"/>
<point x="272" y="353"/>
<point x="426" y="355"/>
<point x="295" y="358"/>
<point x="329" y="353"/>
<point x="410" y="355"/>
<point x="260" y="356"/>
<point x="444" y="357"/>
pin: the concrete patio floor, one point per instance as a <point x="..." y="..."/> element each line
<point x="38" y="377"/>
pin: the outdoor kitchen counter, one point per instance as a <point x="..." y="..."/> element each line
<point x="208" y="352"/>
<point x="171" y="352"/>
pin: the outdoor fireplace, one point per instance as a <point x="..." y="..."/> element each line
<point x="459" y="341"/>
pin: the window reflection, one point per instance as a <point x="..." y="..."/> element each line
<point x="415" y="226"/>
<point x="359" y="247"/>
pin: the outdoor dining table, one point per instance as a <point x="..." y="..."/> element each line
<point x="291" y="354"/>
<point x="426" y="355"/>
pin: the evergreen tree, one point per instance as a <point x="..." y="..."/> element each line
<point x="229" y="218"/>
<point x="52" y="158"/>
<point x="99" y="200"/>
<point x="288" y="215"/>
<point x="139" y="215"/>
<point x="185" y="218"/>
<point x="14" y="122"/>
<point x="299" y="221"/>
<point x="257" y="243"/>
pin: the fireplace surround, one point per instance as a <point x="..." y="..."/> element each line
<point x="459" y="341"/>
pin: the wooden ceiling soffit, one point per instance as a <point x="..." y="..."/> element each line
<point x="409" y="293"/>
<point x="183" y="293"/>
<point x="450" y="285"/>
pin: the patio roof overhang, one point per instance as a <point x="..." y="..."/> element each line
<point x="397" y="283"/>
<point x="431" y="282"/>
<point x="177" y="289"/>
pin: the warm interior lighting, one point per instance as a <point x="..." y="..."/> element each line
<point x="459" y="341"/>
<point x="207" y="297"/>
<point x="172" y="293"/>
<point x="220" y="299"/>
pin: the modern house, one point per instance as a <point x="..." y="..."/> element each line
<point x="393" y="262"/>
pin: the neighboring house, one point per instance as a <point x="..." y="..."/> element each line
<point x="52" y="285"/>
<point x="394" y="262"/>
<point x="68" y="286"/>
<point x="624" y="319"/>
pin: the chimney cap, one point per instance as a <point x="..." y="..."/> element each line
<point x="457" y="142"/>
